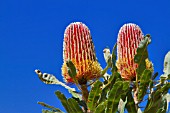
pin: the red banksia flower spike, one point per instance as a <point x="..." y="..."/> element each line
<point x="81" y="68"/>
<point x="79" y="48"/>
<point x="129" y="37"/>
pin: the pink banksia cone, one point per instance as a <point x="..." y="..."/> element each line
<point x="129" y="37"/>
<point x="78" y="47"/>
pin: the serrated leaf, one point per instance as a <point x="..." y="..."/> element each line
<point x="74" y="105"/>
<point x="142" y="55"/>
<point x="144" y="83"/>
<point x="154" y="103"/>
<point x="130" y="106"/>
<point x="53" y="109"/>
<point x="64" y="101"/>
<point x="126" y="87"/>
<point x="104" y="94"/>
<point x="71" y="69"/>
<point x="153" y="107"/>
<point x="115" y="77"/>
<point x="101" y="107"/>
<point x="81" y="103"/>
<point x="94" y="95"/>
<point x="114" y="97"/>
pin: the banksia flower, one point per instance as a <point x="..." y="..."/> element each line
<point x="78" y="47"/>
<point x="129" y="37"/>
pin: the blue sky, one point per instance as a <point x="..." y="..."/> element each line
<point x="31" y="37"/>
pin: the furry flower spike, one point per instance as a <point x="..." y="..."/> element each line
<point x="79" y="48"/>
<point x="129" y="37"/>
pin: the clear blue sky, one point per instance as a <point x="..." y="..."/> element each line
<point x="31" y="37"/>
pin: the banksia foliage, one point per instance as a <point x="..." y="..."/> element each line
<point x="78" y="47"/>
<point x="129" y="37"/>
<point x="111" y="94"/>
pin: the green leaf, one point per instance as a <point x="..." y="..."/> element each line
<point x="165" y="88"/>
<point x="104" y="93"/>
<point x="103" y="72"/>
<point x="71" y="69"/>
<point x="75" y="94"/>
<point x="114" y="68"/>
<point x="142" y="55"/>
<point x="94" y="95"/>
<point x="130" y="106"/>
<point x="81" y="103"/>
<point x="64" y="101"/>
<point x="114" y="97"/>
<point x="115" y="77"/>
<point x="74" y="105"/>
<point x="161" y="110"/>
<point x="157" y="102"/>
<point x="48" y="111"/>
<point x="101" y="107"/>
<point x="168" y="77"/>
<point x="164" y="77"/>
<point x="53" y="109"/>
<point x="70" y="105"/>
<point x="144" y="83"/>
<point x="163" y="106"/>
<point x="126" y="87"/>
<point x="153" y="105"/>
<point x="154" y="76"/>
<point x="151" y="87"/>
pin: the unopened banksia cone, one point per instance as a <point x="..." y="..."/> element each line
<point x="129" y="37"/>
<point x="78" y="47"/>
